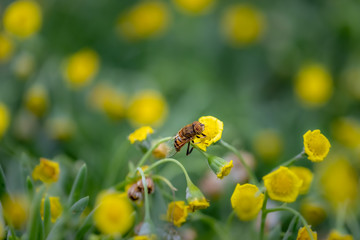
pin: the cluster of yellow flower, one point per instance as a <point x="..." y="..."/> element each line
<point x="147" y="107"/>
<point x="284" y="184"/>
<point x="16" y="208"/>
<point x="21" y="19"/>
<point x="241" y="25"/>
<point x="114" y="213"/>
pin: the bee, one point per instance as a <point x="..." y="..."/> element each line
<point x="187" y="135"/>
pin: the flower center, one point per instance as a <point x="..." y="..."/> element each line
<point x="49" y="171"/>
<point x="282" y="184"/>
<point x="317" y="146"/>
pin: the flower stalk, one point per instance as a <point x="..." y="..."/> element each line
<point x="294" y="159"/>
<point x="296" y="213"/>
<point x="263" y="217"/>
<point x="148" y="154"/>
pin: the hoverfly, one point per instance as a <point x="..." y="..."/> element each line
<point x="186" y="135"/>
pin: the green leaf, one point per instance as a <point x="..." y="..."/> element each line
<point x="35" y="223"/>
<point x="47" y="215"/>
<point x="78" y="185"/>
<point x="79" y="206"/>
<point x="85" y="227"/>
<point x="55" y="230"/>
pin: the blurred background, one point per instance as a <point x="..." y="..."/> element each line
<point x="77" y="77"/>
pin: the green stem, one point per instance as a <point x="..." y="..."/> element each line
<point x="165" y="160"/>
<point x="238" y="154"/>
<point x="165" y="180"/>
<point x="147" y="206"/>
<point x="148" y="153"/>
<point x="289" y="231"/>
<point x="263" y="217"/>
<point x="294" y="159"/>
<point x="302" y="219"/>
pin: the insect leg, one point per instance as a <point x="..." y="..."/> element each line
<point x="188" y="147"/>
<point x="192" y="148"/>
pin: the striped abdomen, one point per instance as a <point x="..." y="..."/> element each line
<point x="185" y="135"/>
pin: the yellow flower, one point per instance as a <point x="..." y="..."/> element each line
<point x="81" y="68"/>
<point x="316" y="145"/>
<point x="4" y="119"/>
<point x="305" y="175"/>
<point x="37" y="100"/>
<point x="335" y="235"/>
<point x="282" y="185"/>
<point x="339" y="182"/>
<point x="15" y="210"/>
<point x="140" y="134"/>
<point x="247" y="201"/>
<point x="147" y="108"/>
<point x="6" y="48"/>
<point x="60" y="128"/>
<point x="213" y="131"/>
<point x="219" y="166"/>
<point x="194" y="7"/>
<point x="55" y="208"/>
<point x="313" y="85"/>
<point x="106" y="99"/>
<point x="195" y="198"/>
<point x="47" y="171"/>
<point x="268" y="144"/>
<point x="145" y="20"/>
<point x="313" y="213"/>
<point x="114" y="214"/>
<point x="197" y="204"/>
<point x="23" y="18"/>
<point x="177" y="213"/>
<point x="242" y="24"/>
<point x="304" y="235"/>
<point x="347" y="132"/>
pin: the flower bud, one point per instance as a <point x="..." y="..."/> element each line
<point x="195" y="198"/>
<point x="219" y="166"/>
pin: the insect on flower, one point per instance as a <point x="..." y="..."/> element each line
<point x="186" y="135"/>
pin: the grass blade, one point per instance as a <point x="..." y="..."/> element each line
<point x="79" y="206"/>
<point x="47" y="215"/>
<point x="35" y="224"/>
<point x="78" y="185"/>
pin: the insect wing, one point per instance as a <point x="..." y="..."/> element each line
<point x="171" y="150"/>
